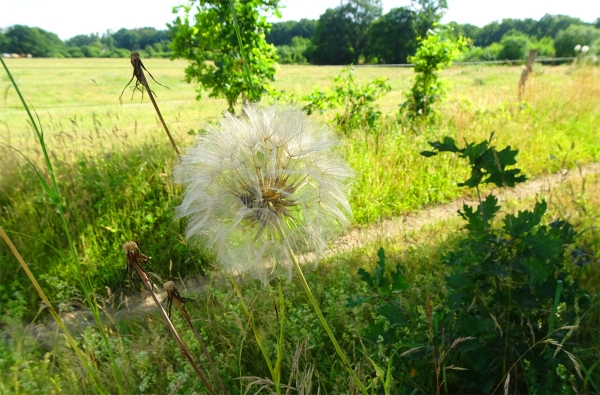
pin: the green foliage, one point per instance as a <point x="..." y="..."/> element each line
<point x="430" y="12"/>
<point x="488" y="166"/>
<point x="544" y="47"/>
<point x="341" y="33"/>
<point x="435" y="53"/>
<point x="357" y="100"/>
<point x="567" y="39"/>
<point x="197" y="38"/>
<point x="294" y="53"/>
<point x="35" y="41"/>
<point x="393" y="37"/>
<point x="384" y="286"/>
<point x="506" y="282"/>
<point x="515" y="46"/>
<point x="282" y="33"/>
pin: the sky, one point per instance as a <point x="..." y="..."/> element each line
<point x="68" y="18"/>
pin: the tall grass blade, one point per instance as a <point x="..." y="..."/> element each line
<point x="53" y="312"/>
<point x="74" y="264"/>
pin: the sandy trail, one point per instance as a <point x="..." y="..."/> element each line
<point x="415" y="221"/>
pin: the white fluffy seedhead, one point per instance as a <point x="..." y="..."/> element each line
<point x="256" y="184"/>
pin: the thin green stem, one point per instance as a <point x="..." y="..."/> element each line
<point x="257" y="335"/>
<point x="53" y="312"/>
<point x="317" y="309"/>
<point x="74" y="265"/>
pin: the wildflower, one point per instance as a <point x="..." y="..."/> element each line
<point x="260" y="186"/>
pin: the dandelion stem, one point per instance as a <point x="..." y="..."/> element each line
<point x="150" y="288"/>
<point x="317" y="309"/>
<point x="254" y="330"/>
<point x="175" y="298"/>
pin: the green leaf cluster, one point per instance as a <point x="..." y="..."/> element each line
<point x="213" y="49"/>
<point x="356" y="99"/>
<point x="508" y="280"/>
<point x="436" y="52"/>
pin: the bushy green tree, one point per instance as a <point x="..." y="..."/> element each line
<point x="294" y="53"/>
<point x="393" y="37"/>
<point x="34" y="41"/>
<point x="544" y="47"/>
<point x="83" y="39"/>
<point x="429" y="13"/>
<point x="205" y="31"/>
<point x="515" y="46"/>
<point x="341" y="33"/>
<point x="567" y="39"/>
<point x="3" y="42"/>
<point x="282" y="33"/>
<point x="436" y="52"/>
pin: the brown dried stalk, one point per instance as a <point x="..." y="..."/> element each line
<point x="140" y="79"/>
<point x="174" y="297"/>
<point x="134" y="260"/>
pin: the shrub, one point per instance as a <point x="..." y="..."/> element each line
<point x="515" y="46"/>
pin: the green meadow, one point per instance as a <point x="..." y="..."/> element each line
<point x="114" y="166"/>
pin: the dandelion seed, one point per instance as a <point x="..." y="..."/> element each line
<point x="260" y="183"/>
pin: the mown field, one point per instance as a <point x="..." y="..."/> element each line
<point x="114" y="166"/>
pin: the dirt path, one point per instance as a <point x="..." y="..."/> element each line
<point x="415" y="221"/>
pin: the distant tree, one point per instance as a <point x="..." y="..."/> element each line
<point x="515" y="46"/>
<point x="544" y="47"/>
<point x="198" y="38"/>
<point x="83" y="39"/>
<point x="550" y="25"/>
<point x="34" y="41"/>
<point x="430" y="12"/>
<point x="127" y="39"/>
<point x="4" y="42"/>
<point x="567" y="39"/>
<point x="597" y="23"/>
<point x="341" y="33"/>
<point x="393" y="37"/>
<point x="282" y="33"/>
<point x="465" y="30"/>
<point x="294" y="53"/>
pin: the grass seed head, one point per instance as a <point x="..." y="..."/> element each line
<point x="256" y="184"/>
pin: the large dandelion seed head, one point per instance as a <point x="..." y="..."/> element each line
<point x="262" y="184"/>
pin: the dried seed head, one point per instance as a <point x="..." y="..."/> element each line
<point x="131" y="248"/>
<point x="169" y="286"/>
<point x="258" y="184"/>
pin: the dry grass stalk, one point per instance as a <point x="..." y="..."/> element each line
<point x="174" y="297"/>
<point x="134" y="260"/>
<point x="140" y="79"/>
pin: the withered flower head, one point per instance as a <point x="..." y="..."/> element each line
<point x="260" y="183"/>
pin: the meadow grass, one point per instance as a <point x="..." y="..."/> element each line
<point x="114" y="167"/>
<point x="151" y="363"/>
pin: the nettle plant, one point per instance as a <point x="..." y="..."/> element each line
<point x="357" y="100"/>
<point x="435" y="53"/>
<point x="513" y="284"/>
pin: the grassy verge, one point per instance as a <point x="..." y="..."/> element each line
<point x="32" y="360"/>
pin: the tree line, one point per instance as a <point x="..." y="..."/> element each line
<point x="355" y="32"/>
<point x="20" y="39"/>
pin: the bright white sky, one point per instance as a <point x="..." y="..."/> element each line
<point x="68" y="18"/>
